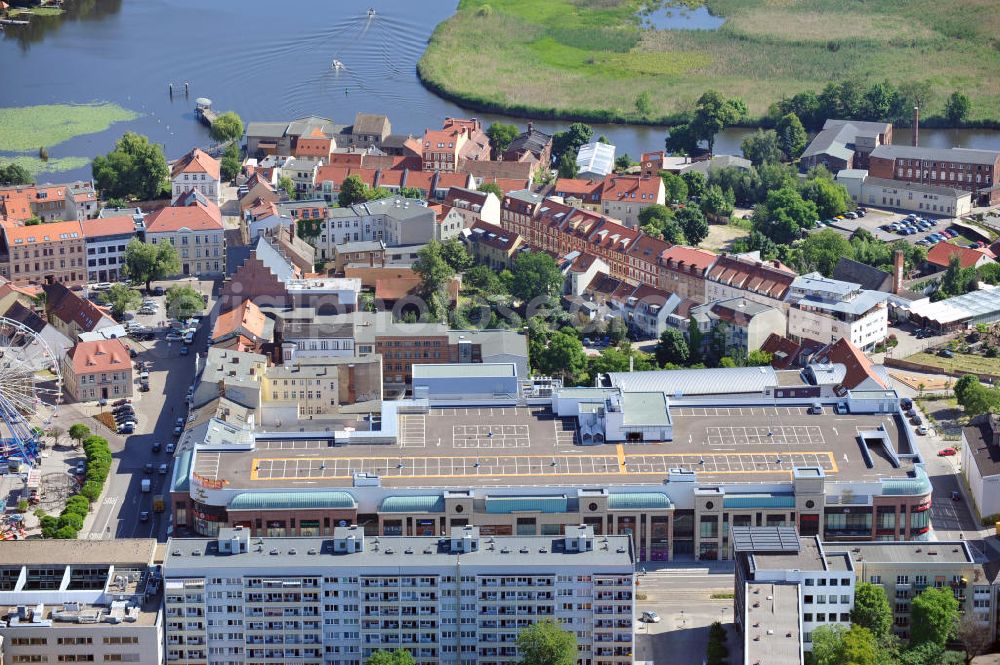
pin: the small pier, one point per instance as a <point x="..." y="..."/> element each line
<point x="204" y="112"/>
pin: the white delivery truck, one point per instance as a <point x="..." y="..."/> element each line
<point x="146" y="485"/>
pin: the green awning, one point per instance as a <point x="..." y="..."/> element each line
<point x="291" y="501"/>
<point x="424" y="503"/>
<point x="639" y="501"/>
<point x="503" y="505"/>
<point x="759" y="501"/>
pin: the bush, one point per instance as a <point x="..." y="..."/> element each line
<point x="67" y="526"/>
<point x="22" y="506"/>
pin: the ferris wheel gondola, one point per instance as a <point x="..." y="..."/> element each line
<point x="30" y="391"/>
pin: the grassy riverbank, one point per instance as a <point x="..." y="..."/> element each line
<point x="27" y="128"/>
<point x="589" y="59"/>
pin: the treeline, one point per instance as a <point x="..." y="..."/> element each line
<point x="851" y="99"/>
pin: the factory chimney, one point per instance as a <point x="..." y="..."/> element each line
<point x="916" y="126"/>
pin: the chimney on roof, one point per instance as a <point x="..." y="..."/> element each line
<point x="531" y="126"/>
<point x="897" y="271"/>
<point x="916" y="126"/>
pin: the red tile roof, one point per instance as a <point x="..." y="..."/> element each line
<point x="247" y="317"/>
<point x="19" y="236"/>
<point x="784" y="352"/>
<point x="108" y="226"/>
<point x="507" y="184"/>
<point x="197" y="161"/>
<point x="941" y="253"/>
<point x="859" y="366"/>
<point x="756" y="277"/>
<point x="196" y="217"/>
<point x="631" y="188"/>
<point x="576" y="187"/>
<point x="338" y="174"/>
<point x="101" y="356"/>
<point x="688" y="258"/>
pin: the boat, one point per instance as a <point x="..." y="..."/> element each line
<point x="338" y="65"/>
<point x="371" y="12"/>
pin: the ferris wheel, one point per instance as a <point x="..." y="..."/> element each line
<point x="30" y="390"/>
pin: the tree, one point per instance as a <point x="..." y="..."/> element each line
<point x="658" y="220"/>
<point x="135" y="168"/>
<point x="228" y="126"/>
<point x="762" y="147"/>
<point x="405" y="192"/>
<point x="121" y="298"/>
<point x="563" y="356"/>
<point x="859" y="648"/>
<point x="15" y="174"/>
<point x="352" y="191"/>
<point x="879" y="101"/>
<point x="956" y="279"/>
<point x="697" y="183"/>
<point x="964" y="385"/>
<point x="782" y="215"/>
<point x="828" y="644"/>
<point x="286" y="185"/>
<point x="617" y="331"/>
<point x="757" y="358"/>
<point x="434" y="271"/>
<point x="397" y="657"/>
<point x="618" y="359"/>
<point x="683" y="139"/>
<point x="492" y="188"/>
<point x="535" y="275"/>
<point x="872" y="610"/>
<point x="693" y="223"/>
<point x="623" y="163"/>
<point x="501" y="136"/>
<point x="547" y="643"/>
<point x="644" y="104"/>
<point x="145" y="262"/>
<point x="483" y="279"/>
<point x="567" y="165"/>
<point x="974" y="634"/>
<point x="713" y="113"/>
<point x="831" y="198"/>
<point x="934" y="616"/>
<point x="676" y="188"/>
<point x="822" y="250"/>
<point x="570" y="140"/>
<point x="231" y="163"/>
<point x="455" y="254"/>
<point x="957" y="108"/>
<point x="718" y="202"/>
<point x="672" y="348"/>
<point x="78" y="432"/>
<point x="792" y="137"/>
<point x="56" y="433"/>
<point x="183" y="302"/>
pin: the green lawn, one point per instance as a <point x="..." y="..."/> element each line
<point x="591" y="57"/>
<point x="960" y="363"/>
<point x="27" y="128"/>
<point x="37" y="11"/>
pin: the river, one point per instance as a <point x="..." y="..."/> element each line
<point x="266" y="62"/>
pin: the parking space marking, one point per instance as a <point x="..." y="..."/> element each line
<point x="490" y="436"/>
<point x="315" y="468"/>
<point x="412" y="431"/>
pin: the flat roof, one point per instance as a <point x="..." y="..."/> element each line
<point x="394" y="552"/>
<point x="773" y="626"/>
<point x="530" y="446"/>
<point x="645" y="409"/>
<point x="57" y="552"/>
<point x="953" y="551"/>
<point x="809" y="556"/>
<point x="467" y="370"/>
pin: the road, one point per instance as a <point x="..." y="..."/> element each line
<point x="682" y="598"/>
<point x="117" y="515"/>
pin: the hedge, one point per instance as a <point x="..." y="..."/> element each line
<point x="67" y="526"/>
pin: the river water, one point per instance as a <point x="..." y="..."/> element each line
<point x="264" y="61"/>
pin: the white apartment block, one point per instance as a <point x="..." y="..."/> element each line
<point x="824" y="310"/>
<point x="396" y="221"/>
<point x="462" y="599"/>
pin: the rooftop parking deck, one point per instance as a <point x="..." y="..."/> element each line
<point x="462" y="447"/>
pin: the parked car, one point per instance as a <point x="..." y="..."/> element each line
<point x="906" y="402"/>
<point x="159" y="291"/>
<point x="922" y="430"/>
<point x="946" y="353"/>
<point x="81" y="468"/>
<point x="174" y="337"/>
<point x="851" y="215"/>
<point x="170" y="448"/>
<point x="947" y="452"/>
<point x="144" y="387"/>
<point x="650" y="617"/>
<point x="127" y="428"/>
<point x="121" y="402"/>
